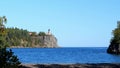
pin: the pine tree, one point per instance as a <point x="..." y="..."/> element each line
<point x="7" y="57"/>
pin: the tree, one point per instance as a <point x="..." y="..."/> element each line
<point x="114" y="47"/>
<point x="2" y="31"/>
<point x="41" y="34"/>
<point x="7" y="58"/>
<point x="116" y="34"/>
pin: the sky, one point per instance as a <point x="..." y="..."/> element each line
<point x="75" y="23"/>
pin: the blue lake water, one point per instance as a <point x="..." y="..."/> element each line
<point x="65" y="55"/>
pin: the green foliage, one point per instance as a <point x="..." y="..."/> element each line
<point x="7" y="59"/>
<point x="22" y="38"/>
<point x="18" y="37"/>
<point x="116" y="34"/>
<point x="41" y="34"/>
<point x="2" y="32"/>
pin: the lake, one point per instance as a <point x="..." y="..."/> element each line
<point x="65" y="55"/>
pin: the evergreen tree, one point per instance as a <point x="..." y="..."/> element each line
<point x="116" y="34"/>
<point x="7" y="58"/>
<point x="41" y="34"/>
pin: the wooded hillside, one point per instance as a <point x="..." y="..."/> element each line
<point x="20" y="38"/>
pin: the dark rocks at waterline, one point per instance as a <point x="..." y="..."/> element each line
<point x="99" y="65"/>
<point x="114" y="48"/>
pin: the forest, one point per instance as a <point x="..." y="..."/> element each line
<point x="21" y="38"/>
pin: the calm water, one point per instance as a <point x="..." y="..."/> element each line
<point x="65" y="55"/>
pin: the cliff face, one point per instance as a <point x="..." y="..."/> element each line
<point x="49" y="41"/>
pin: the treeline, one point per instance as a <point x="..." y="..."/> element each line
<point x="22" y="38"/>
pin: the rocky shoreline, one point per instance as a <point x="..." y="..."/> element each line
<point x="87" y="65"/>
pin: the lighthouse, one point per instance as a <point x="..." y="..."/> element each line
<point x="48" y="33"/>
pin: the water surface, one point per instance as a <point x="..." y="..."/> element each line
<point x="65" y="55"/>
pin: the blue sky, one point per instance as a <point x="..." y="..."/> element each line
<point x="75" y="23"/>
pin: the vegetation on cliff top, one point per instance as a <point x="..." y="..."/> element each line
<point x="22" y="38"/>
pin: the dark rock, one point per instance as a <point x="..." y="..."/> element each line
<point x="99" y="65"/>
<point x="114" y="48"/>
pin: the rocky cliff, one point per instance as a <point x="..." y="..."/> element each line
<point x="17" y="38"/>
<point x="47" y="41"/>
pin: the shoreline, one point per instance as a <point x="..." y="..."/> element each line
<point x="78" y="65"/>
<point x="33" y="47"/>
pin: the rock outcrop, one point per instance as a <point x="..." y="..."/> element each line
<point x="47" y="41"/>
<point x="114" y="48"/>
<point x="50" y="41"/>
<point x="87" y="65"/>
<point x="44" y="40"/>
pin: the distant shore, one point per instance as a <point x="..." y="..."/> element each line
<point x="32" y="47"/>
<point x="87" y="65"/>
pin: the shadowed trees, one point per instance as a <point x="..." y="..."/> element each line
<point x="114" y="47"/>
<point x="7" y="58"/>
